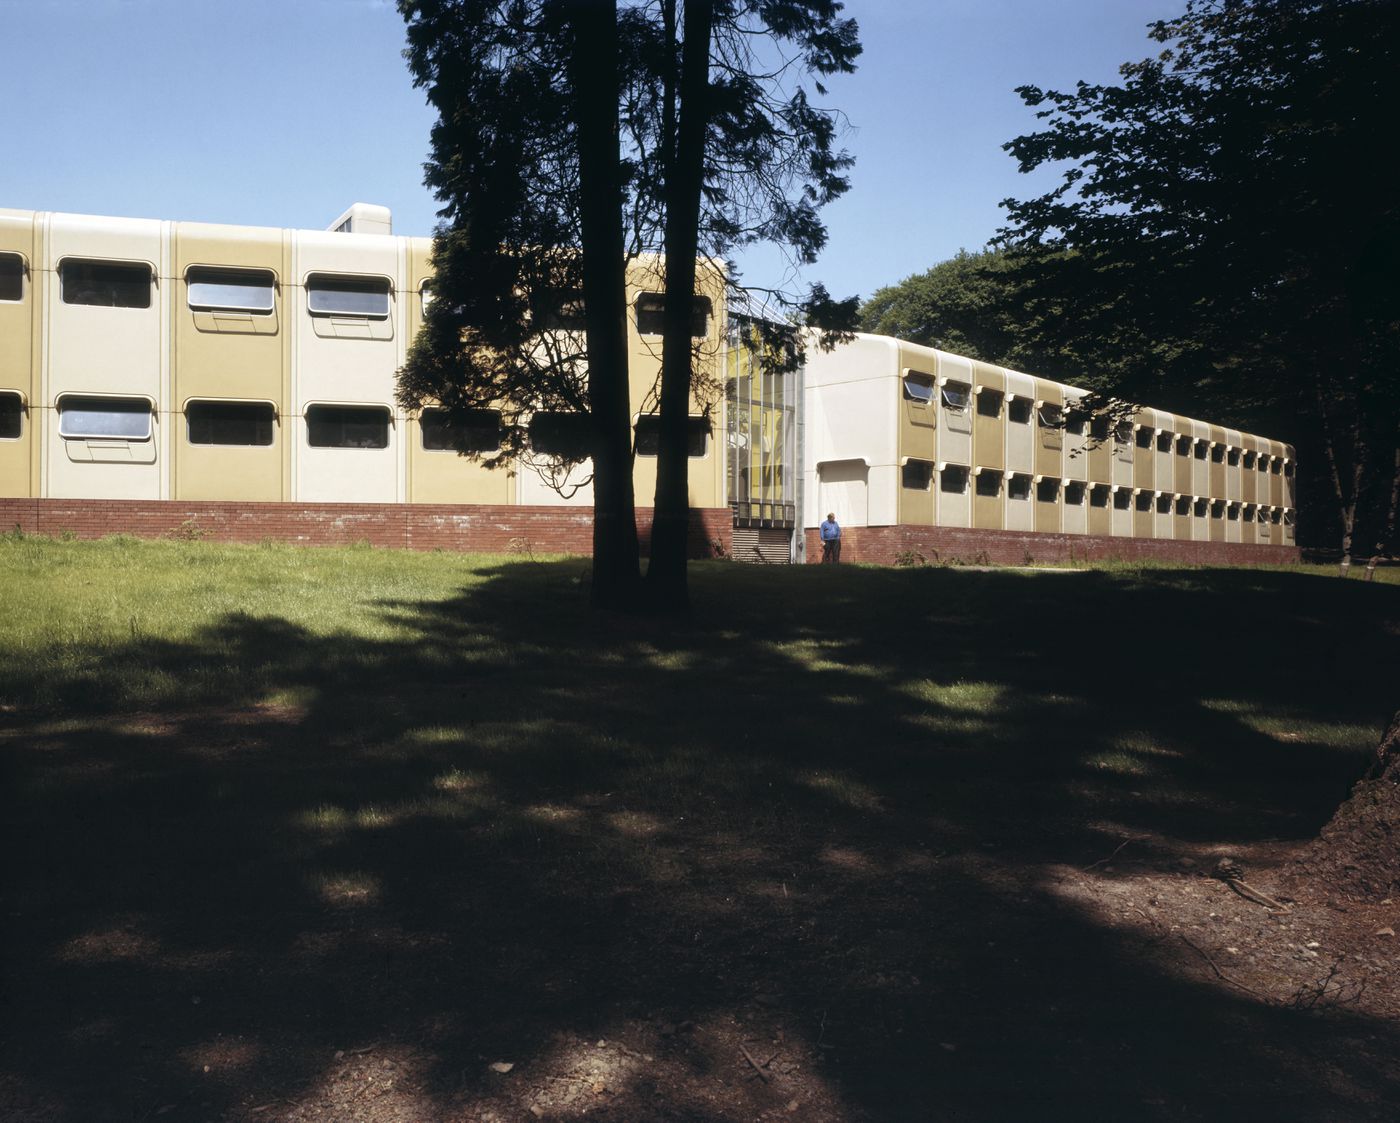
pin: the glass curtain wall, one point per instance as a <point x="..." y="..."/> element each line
<point x="761" y="428"/>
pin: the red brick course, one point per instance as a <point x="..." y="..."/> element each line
<point x="415" y="526"/>
<point x="948" y="544"/>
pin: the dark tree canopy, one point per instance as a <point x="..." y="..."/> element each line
<point x="1226" y="235"/>
<point x="715" y="143"/>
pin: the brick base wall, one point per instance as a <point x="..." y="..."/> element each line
<point x="416" y="526"/>
<point x="881" y="544"/>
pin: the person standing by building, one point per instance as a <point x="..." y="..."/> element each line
<point x="831" y="541"/>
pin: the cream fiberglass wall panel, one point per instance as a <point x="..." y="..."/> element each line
<point x="955" y="409"/>
<point x="20" y="304"/>
<point x="348" y="342"/>
<point x="533" y="485"/>
<point x="99" y="349"/>
<point x="1234" y="444"/>
<point x="1076" y="441"/>
<point x="1200" y="462"/>
<point x="853" y="396"/>
<point x="106" y="341"/>
<point x="1019" y="411"/>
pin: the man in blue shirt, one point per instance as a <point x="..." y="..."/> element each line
<point x="831" y="541"/>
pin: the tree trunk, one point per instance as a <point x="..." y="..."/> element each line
<point x="1385" y="541"/>
<point x="685" y="170"/>
<point x="1346" y="504"/>
<point x="595" y="76"/>
<point x="1357" y="854"/>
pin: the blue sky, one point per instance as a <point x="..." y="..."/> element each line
<point x="284" y="113"/>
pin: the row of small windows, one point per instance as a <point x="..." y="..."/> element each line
<point x="917" y="475"/>
<point x="115" y="284"/>
<point x="250" y="424"/>
<point x="919" y="387"/>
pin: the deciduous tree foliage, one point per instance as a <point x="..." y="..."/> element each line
<point x="971" y="305"/>
<point x="712" y="142"/>
<point x="1226" y="237"/>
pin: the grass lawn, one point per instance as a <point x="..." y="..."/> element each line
<point x="323" y="834"/>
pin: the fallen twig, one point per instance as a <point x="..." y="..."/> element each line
<point x="1249" y="893"/>
<point x="756" y="1066"/>
<point x="1105" y="861"/>
<point x="1221" y="974"/>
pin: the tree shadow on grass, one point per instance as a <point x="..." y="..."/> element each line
<point x="826" y="808"/>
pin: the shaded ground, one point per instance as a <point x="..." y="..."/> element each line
<point x="865" y="845"/>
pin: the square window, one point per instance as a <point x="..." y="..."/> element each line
<point x="230" y="423"/>
<point x="230" y="290"/>
<point x="1098" y="428"/>
<point x="1201" y="448"/>
<point x="1018" y="487"/>
<point x="1051" y="417"/>
<point x="11" y="277"/>
<point x="651" y="314"/>
<point x="955" y="396"/>
<point x="1098" y="495"/>
<point x="1018" y="410"/>
<point x="1233" y="457"/>
<point x="1164" y="442"/>
<point x="477" y="430"/>
<point x="917" y="475"/>
<point x="1217" y="454"/>
<point x="92" y="418"/>
<point x="362" y="298"/>
<point x="1122" y="499"/>
<point x="989" y="402"/>
<point x="1183" y="446"/>
<point x="1183" y="505"/>
<point x="988" y="484"/>
<point x="953" y="479"/>
<point x="649" y="436"/>
<point x="1074" y="493"/>
<point x="1143" y="501"/>
<point x="364" y="427"/>
<point x="918" y="387"/>
<point x="1144" y="437"/>
<point x="1164" y="504"/>
<point x="107" y="284"/>
<point x="1200" y="508"/>
<point x="11" y="415"/>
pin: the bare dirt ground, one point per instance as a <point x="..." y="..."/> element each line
<point x="894" y="865"/>
<point x="871" y="972"/>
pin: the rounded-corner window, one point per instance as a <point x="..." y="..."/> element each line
<point x="11" y="415"/>
<point x="212" y="289"/>
<point x="335" y="426"/>
<point x="83" y="417"/>
<point x="334" y="294"/>
<point x="105" y="284"/>
<point x="12" y="271"/>
<point x="241" y="424"/>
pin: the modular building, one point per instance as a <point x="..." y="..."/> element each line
<point x="156" y="374"/>
<point x="146" y="360"/>
<point x="899" y="435"/>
